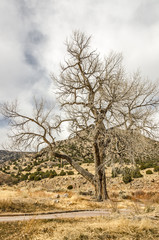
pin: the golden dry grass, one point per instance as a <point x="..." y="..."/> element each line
<point x="40" y="200"/>
<point x="135" y="225"/>
<point x="98" y="228"/>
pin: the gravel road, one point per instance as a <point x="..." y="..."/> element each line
<point x="55" y="215"/>
<point x="75" y="214"/>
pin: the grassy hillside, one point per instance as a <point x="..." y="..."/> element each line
<point x="35" y="167"/>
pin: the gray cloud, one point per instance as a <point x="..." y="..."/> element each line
<point x="30" y="59"/>
<point x="36" y="37"/>
<point x="147" y="13"/>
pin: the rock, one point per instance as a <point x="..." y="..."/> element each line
<point x="56" y="201"/>
<point x="65" y="195"/>
<point x="57" y="196"/>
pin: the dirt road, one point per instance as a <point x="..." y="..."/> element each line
<point x="75" y="214"/>
<point x="55" y="215"/>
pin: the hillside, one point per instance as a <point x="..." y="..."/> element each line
<point x="9" y="155"/>
<point x="35" y="167"/>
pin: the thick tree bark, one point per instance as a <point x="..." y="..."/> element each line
<point x="101" y="187"/>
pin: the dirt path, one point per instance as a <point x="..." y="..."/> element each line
<point x="73" y="214"/>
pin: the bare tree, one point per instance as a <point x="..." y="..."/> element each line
<point x="99" y="98"/>
<point x="100" y="95"/>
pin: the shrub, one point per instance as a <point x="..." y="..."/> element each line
<point x="149" y="172"/>
<point x="115" y="172"/>
<point x="136" y="173"/>
<point x="24" y="177"/>
<point x="33" y="176"/>
<point x="39" y="169"/>
<point x="146" y="165"/>
<point x="70" y="173"/>
<point x="28" y="168"/>
<point x="127" y="175"/>
<point x="62" y="173"/>
<point x="156" y="169"/>
<point x="35" y="163"/>
<point x="52" y="174"/>
<point x="70" y="187"/>
<point x="37" y="178"/>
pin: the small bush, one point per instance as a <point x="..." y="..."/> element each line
<point x="115" y="172"/>
<point x="28" y="168"/>
<point x="39" y="169"/>
<point x="37" y="178"/>
<point x="52" y="174"/>
<point x="127" y="175"/>
<point x="62" y="173"/>
<point x="156" y="169"/>
<point x="146" y="165"/>
<point x="136" y="173"/>
<point x="70" y="187"/>
<point x="149" y="172"/>
<point x="24" y="177"/>
<point x="70" y="173"/>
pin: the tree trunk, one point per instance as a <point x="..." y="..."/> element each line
<point x="104" y="187"/>
<point x="101" y="188"/>
<point x="87" y="175"/>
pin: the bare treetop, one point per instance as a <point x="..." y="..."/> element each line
<point x="91" y="89"/>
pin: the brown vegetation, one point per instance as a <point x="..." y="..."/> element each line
<point x="81" y="229"/>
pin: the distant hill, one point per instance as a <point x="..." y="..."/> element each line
<point x="23" y="166"/>
<point x="10" y="155"/>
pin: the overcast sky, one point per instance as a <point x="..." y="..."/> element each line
<point x="33" y="32"/>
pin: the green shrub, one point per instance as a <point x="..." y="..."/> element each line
<point x="37" y="178"/>
<point x="136" y="173"/>
<point x="45" y="174"/>
<point x="39" y="169"/>
<point x="149" y="172"/>
<point x="24" y="177"/>
<point x="35" y="163"/>
<point x="62" y="173"/>
<point x="70" y="187"/>
<point x="52" y="174"/>
<point x="70" y="173"/>
<point x="127" y="175"/>
<point x="156" y="169"/>
<point x="31" y="178"/>
<point x="28" y="168"/>
<point x="34" y="175"/>
<point x="144" y="165"/>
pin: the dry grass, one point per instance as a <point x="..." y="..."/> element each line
<point x="25" y="199"/>
<point x="99" y="228"/>
<point x="40" y="200"/>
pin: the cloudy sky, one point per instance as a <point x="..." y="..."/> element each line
<point x="33" y="32"/>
